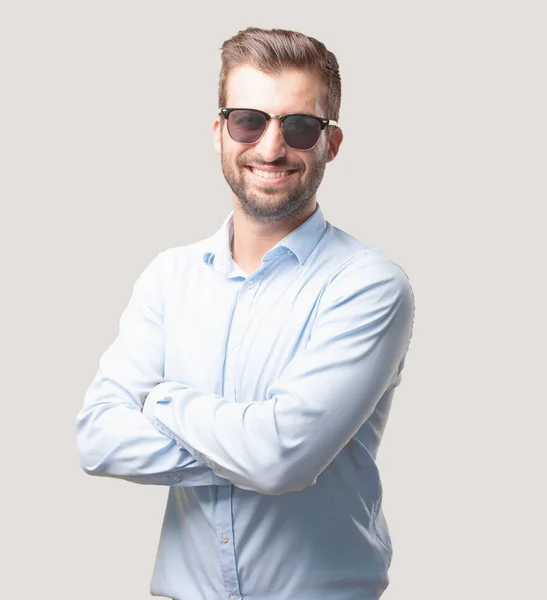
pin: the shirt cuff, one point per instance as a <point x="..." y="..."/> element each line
<point x="149" y="406"/>
<point x="159" y="393"/>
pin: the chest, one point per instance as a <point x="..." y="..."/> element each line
<point x="233" y="337"/>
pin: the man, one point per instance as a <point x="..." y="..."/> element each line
<point x="254" y="370"/>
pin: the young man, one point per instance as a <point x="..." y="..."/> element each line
<point x="254" y="370"/>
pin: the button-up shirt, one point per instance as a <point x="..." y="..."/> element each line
<point x="260" y="400"/>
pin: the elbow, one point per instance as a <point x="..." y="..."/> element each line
<point x="96" y="463"/>
<point x="89" y="467"/>
<point x="91" y="461"/>
<point x="92" y="471"/>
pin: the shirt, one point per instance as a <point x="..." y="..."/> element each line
<point x="260" y="400"/>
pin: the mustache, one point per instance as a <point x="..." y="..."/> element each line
<point x="280" y="163"/>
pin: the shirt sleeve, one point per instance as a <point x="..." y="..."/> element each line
<point x="114" y="437"/>
<point x="283" y="442"/>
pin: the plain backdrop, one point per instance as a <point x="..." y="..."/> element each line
<point x="107" y="159"/>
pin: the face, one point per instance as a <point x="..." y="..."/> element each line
<point x="270" y="180"/>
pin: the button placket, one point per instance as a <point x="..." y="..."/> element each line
<point x="225" y="524"/>
<point x="226" y="549"/>
<point x="235" y="335"/>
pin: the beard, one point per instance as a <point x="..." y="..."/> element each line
<point x="271" y="205"/>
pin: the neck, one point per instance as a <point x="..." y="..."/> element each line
<point x="252" y="239"/>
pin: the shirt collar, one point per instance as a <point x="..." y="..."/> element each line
<point x="300" y="242"/>
<point x="218" y="246"/>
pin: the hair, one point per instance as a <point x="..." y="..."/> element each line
<point x="274" y="50"/>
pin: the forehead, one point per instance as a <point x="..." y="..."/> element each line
<point x="290" y="90"/>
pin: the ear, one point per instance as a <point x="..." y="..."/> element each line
<point x="217" y="135"/>
<point x="335" y="139"/>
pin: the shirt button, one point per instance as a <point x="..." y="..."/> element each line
<point x="224" y="538"/>
<point x="250" y="284"/>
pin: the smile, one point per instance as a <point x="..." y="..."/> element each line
<point x="277" y="176"/>
<point x="271" y="174"/>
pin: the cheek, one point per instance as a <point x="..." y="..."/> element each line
<point x="321" y="152"/>
<point x="226" y="147"/>
<point x="314" y="158"/>
<point x="233" y="155"/>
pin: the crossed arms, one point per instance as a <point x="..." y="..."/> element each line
<point x="136" y="426"/>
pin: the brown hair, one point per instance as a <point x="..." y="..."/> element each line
<point x="272" y="50"/>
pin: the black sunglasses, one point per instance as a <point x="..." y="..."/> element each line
<point x="248" y="125"/>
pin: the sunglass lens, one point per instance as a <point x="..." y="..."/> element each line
<point x="301" y="132"/>
<point x="246" y="126"/>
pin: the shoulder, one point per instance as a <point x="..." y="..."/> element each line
<point x="367" y="273"/>
<point x="169" y="267"/>
<point x="176" y="260"/>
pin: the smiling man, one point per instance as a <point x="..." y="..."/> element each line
<point x="254" y="371"/>
<point x="273" y="164"/>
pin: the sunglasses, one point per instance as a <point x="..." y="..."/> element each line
<point x="248" y="125"/>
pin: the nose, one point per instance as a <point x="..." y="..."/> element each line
<point x="271" y="145"/>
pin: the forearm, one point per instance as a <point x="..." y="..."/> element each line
<point x="239" y="441"/>
<point x="284" y="441"/>
<point x="115" y="439"/>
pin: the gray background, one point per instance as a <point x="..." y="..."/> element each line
<point x="107" y="159"/>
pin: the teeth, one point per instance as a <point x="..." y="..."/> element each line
<point x="270" y="174"/>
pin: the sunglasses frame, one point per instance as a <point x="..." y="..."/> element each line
<point x="225" y="112"/>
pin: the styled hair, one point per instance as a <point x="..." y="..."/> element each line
<point x="272" y="51"/>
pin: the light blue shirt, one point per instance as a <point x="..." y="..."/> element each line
<point x="260" y="400"/>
